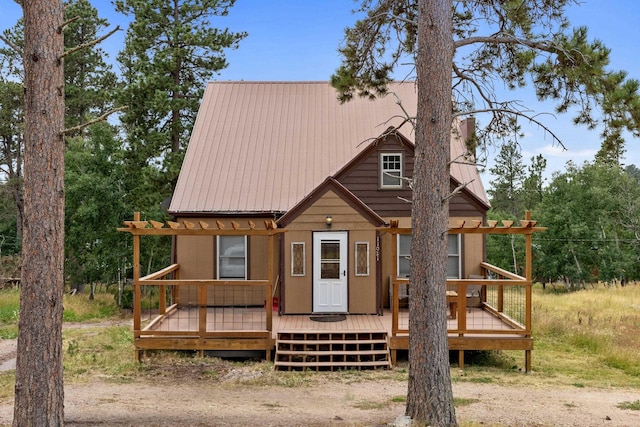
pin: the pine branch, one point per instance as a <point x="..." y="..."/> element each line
<point x="64" y="24"/>
<point x="507" y="39"/>
<point x="392" y="17"/>
<point x="532" y="119"/>
<point x="407" y="116"/>
<point x="16" y="48"/>
<point x="464" y="161"/>
<point x="457" y="190"/>
<point x="89" y="44"/>
<point x="91" y="122"/>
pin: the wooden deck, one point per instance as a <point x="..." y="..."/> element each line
<point x="181" y="325"/>
<point x="496" y="318"/>
<point x="252" y="319"/>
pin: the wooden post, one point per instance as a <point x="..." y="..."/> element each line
<point x="529" y="291"/>
<point x="202" y="311"/>
<point x="462" y="309"/>
<point x="162" y="299"/>
<point x="500" y="298"/>
<point x="269" y="290"/>
<point x="137" y="294"/>
<point x="529" y="276"/>
<point x="175" y="289"/>
<point x="395" y="303"/>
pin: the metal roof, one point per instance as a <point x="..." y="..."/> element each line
<point x="260" y="147"/>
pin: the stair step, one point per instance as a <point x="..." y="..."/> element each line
<point x="329" y="364"/>
<point x="328" y="350"/>
<point x="316" y="342"/>
<point x="333" y="352"/>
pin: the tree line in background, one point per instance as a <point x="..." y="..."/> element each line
<point x="119" y="166"/>
<point x="592" y="212"/>
<point x="130" y="161"/>
<point x="116" y="167"/>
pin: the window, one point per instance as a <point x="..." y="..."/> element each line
<point x="297" y="258"/>
<point x="404" y="255"/>
<point x="390" y="170"/>
<point x="362" y="258"/>
<point x="232" y="257"/>
<point x="453" y="256"/>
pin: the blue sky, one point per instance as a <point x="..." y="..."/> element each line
<point x="298" y="40"/>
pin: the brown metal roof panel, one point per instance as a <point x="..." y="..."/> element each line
<point x="259" y="146"/>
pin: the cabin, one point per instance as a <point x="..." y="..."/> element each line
<point x="291" y="233"/>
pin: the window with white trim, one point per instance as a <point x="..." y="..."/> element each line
<point x="454" y="265"/>
<point x="404" y="255"/>
<point x="390" y="170"/>
<point x="232" y="257"/>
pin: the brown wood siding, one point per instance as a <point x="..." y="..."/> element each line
<point x="362" y="179"/>
<point x="463" y="205"/>
<point x="196" y="256"/>
<point x="362" y="289"/>
<point x="298" y="290"/>
<point x="472" y="247"/>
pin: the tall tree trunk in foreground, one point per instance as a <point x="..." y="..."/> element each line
<point x="39" y="383"/>
<point x="430" y="399"/>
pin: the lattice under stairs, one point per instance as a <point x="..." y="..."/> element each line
<point x="331" y="351"/>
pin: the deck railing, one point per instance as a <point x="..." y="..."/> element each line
<point x="201" y="325"/>
<point x="490" y="311"/>
<point x="157" y="298"/>
<point x="496" y="305"/>
<point x="161" y="321"/>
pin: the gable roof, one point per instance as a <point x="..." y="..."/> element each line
<point x="261" y="147"/>
<point x="330" y="184"/>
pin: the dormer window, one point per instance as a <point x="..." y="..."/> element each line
<point x="390" y="170"/>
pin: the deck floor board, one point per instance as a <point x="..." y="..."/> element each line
<point x="253" y="318"/>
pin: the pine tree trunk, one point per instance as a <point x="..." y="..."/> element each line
<point x="430" y="398"/>
<point x="39" y="383"/>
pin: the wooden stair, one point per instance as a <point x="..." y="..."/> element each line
<point x="331" y="350"/>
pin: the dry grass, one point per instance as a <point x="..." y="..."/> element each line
<point x="588" y="338"/>
<point x="592" y="336"/>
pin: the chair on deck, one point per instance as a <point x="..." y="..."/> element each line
<point x="473" y="292"/>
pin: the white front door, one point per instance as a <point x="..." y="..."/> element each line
<point x="330" y="272"/>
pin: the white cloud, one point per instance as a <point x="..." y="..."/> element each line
<point x="570" y="154"/>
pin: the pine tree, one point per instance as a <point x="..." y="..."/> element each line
<point x="533" y="185"/>
<point x="506" y="190"/>
<point x="89" y="80"/>
<point x="39" y="391"/>
<point x="11" y="152"/>
<point x="172" y="49"/>
<point x="89" y="83"/>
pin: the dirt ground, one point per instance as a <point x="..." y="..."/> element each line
<point x="190" y="397"/>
